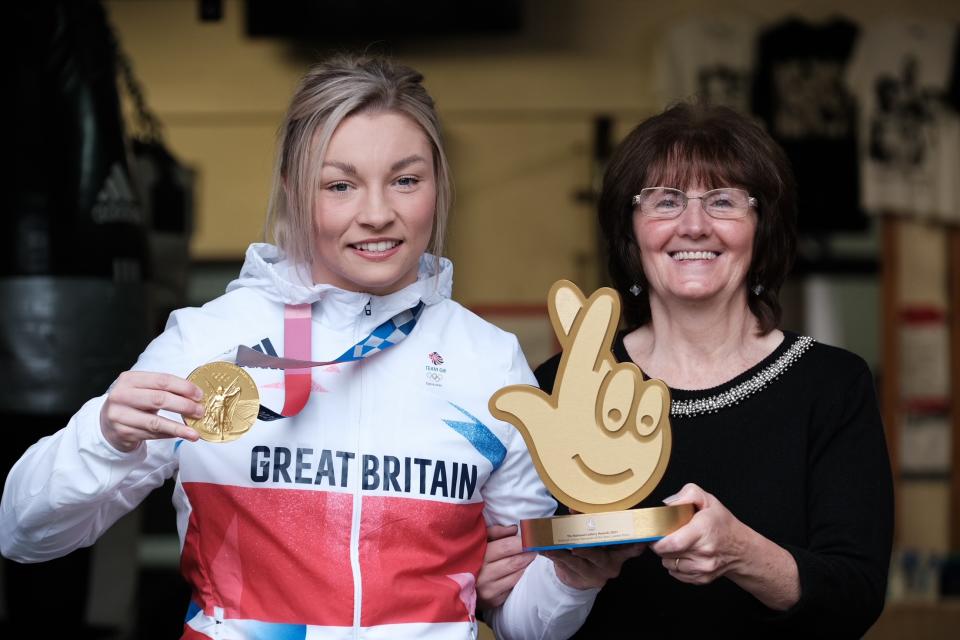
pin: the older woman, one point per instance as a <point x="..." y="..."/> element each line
<point x="777" y="439"/>
<point x="360" y="508"/>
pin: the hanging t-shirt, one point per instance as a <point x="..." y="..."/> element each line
<point x="799" y="93"/>
<point x="711" y="60"/>
<point x="910" y="135"/>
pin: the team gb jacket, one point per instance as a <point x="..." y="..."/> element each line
<point x="362" y="517"/>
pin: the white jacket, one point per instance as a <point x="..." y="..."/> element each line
<point x="362" y="517"/>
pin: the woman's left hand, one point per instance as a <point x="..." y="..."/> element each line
<point x="714" y="544"/>
<point x="590" y="568"/>
<point x="707" y="547"/>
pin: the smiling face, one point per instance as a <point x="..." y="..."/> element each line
<point x="695" y="257"/>
<point x="374" y="210"/>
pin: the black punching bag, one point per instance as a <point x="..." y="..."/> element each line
<point x="73" y="260"/>
<point x="73" y="268"/>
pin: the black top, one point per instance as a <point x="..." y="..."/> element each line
<point x="801" y="459"/>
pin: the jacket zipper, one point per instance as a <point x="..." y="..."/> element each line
<point x="218" y="622"/>
<point x="357" y="495"/>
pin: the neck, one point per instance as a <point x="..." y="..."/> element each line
<point x="698" y="345"/>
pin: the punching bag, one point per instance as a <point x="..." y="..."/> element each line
<point x="73" y="265"/>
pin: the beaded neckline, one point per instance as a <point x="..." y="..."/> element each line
<point x="738" y="393"/>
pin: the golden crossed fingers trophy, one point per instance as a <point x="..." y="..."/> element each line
<point x="601" y="441"/>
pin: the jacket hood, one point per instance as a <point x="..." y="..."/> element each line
<point x="267" y="270"/>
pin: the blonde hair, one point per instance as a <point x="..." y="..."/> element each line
<point x="330" y="92"/>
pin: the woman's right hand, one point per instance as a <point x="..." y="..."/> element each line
<point x="129" y="415"/>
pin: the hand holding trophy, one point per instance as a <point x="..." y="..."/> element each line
<point x="601" y="441"/>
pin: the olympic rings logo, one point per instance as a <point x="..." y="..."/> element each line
<point x="436" y="377"/>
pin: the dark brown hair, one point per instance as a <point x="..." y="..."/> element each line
<point x="715" y="147"/>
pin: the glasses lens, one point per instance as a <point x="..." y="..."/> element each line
<point x="661" y="202"/>
<point x="726" y="203"/>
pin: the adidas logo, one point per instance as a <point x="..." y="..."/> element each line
<point x="116" y="201"/>
<point x="265" y="346"/>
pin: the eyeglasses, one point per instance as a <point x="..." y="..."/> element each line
<point x="665" y="203"/>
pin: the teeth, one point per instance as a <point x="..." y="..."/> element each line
<point x="694" y="255"/>
<point x="377" y="247"/>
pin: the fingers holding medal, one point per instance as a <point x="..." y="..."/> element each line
<point x="130" y="413"/>
<point x="231" y="401"/>
<point x="218" y="401"/>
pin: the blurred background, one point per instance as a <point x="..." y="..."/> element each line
<point x="144" y="139"/>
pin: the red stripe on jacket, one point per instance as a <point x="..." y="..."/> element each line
<point x="277" y="555"/>
<point x="408" y="548"/>
<point x="282" y="555"/>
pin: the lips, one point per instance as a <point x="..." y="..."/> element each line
<point x="376" y="246"/>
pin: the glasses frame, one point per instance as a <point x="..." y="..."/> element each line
<point x="751" y="202"/>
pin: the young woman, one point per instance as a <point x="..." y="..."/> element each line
<point x="363" y="514"/>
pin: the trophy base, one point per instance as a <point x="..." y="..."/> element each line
<point x="603" y="529"/>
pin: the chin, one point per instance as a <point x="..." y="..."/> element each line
<point x="695" y="292"/>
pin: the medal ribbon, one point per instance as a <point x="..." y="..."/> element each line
<point x="298" y="347"/>
<point x="297" y="343"/>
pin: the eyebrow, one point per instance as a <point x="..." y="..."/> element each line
<point x="343" y="166"/>
<point x="406" y="162"/>
<point x="348" y="168"/>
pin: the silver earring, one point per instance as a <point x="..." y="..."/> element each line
<point x="757" y="289"/>
<point x="635" y="289"/>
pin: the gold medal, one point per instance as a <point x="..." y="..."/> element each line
<point x="230" y="399"/>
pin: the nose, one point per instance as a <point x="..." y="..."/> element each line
<point x="694" y="221"/>
<point x="376" y="210"/>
